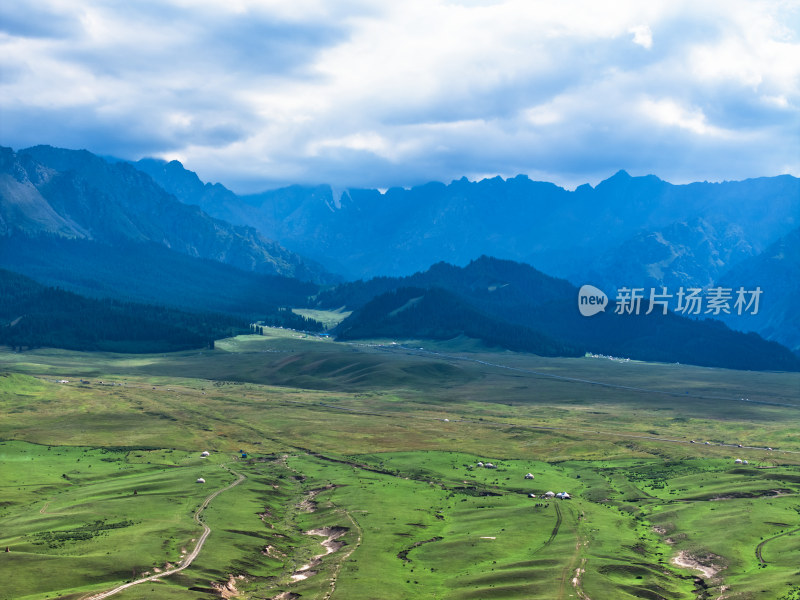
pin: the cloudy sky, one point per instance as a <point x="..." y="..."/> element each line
<point x="376" y="93"/>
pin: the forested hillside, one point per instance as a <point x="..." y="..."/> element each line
<point x="512" y="305"/>
<point x="32" y="316"/>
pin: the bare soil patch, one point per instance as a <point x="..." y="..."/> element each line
<point x="228" y="589"/>
<point x="708" y="564"/>
<point x="331" y="545"/>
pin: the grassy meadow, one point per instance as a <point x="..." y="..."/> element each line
<point x="362" y="477"/>
<point x="329" y="318"/>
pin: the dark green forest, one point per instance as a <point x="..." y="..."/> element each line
<point x="33" y="316"/>
<point x="149" y="273"/>
<point x="284" y="317"/>
<point x="439" y="315"/>
<point x="514" y="306"/>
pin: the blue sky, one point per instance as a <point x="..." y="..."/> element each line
<point x="258" y="94"/>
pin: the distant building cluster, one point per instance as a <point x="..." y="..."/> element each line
<point x="528" y="476"/>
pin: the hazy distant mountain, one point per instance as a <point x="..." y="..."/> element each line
<point x="186" y="186"/>
<point x="300" y="214"/>
<point x="626" y="231"/>
<point x="777" y="272"/>
<point x="76" y="194"/>
<point x="624" y="226"/>
<point x="509" y="304"/>
<point x="108" y="229"/>
<point x="682" y="254"/>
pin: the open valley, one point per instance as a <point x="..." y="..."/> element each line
<point x="425" y="469"/>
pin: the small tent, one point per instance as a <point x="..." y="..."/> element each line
<point x="200" y="480"/>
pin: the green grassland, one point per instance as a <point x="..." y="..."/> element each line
<point x="372" y="448"/>
<point x="329" y="318"/>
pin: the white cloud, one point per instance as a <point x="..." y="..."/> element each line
<point x="642" y="36"/>
<point x="669" y="112"/>
<point x="542" y="115"/>
<point x="256" y="93"/>
<point x="780" y="101"/>
<point x="367" y="141"/>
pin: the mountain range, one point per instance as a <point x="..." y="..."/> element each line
<point x="153" y="232"/>
<point x="624" y="232"/>
<point x="77" y="195"/>
<point x="673" y="233"/>
<point x="776" y="271"/>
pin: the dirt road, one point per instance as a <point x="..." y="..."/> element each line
<point x="190" y="557"/>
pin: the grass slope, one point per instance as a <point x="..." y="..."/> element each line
<point x="378" y="447"/>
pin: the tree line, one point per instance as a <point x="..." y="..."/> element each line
<point x="33" y="315"/>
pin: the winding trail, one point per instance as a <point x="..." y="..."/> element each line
<point x="188" y="560"/>
<point x="553" y="533"/>
<point x="760" y="547"/>
<point x="558" y="525"/>
<point x="569" y="567"/>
